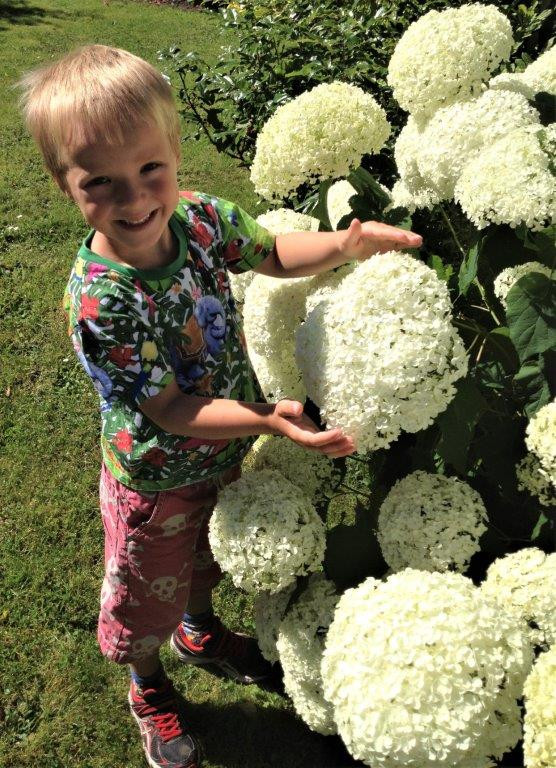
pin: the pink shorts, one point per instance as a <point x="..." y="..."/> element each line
<point x="156" y="553"/>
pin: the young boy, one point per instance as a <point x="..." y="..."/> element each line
<point x="154" y="325"/>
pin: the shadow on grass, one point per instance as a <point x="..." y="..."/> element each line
<point x="21" y="12"/>
<point x="245" y="735"/>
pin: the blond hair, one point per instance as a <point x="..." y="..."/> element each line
<point x="95" y="91"/>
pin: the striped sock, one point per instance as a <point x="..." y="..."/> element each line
<point x="156" y="680"/>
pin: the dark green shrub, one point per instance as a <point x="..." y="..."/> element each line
<point x="286" y="48"/>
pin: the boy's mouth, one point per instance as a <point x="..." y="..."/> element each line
<point x="137" y="223"/>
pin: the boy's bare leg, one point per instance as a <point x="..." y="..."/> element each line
<point x="146" y="667"/>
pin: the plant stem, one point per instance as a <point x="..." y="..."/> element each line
<point x="452" y="230"/>
<point x="484" y="298"/>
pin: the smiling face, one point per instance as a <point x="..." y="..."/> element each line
<point x="127" y="192"/>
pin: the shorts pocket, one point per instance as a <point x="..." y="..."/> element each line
<point x="141" y="510"/>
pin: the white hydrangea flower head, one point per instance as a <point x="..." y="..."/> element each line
<point x="532" y="478"/>
<point x="541" y="439"/>
<point x="337" y="201"/>
<point x="507" y="277"/>
<point x="239" y="283"/>
<point x="447" y="56"/>
<point x="300" y="645"/>
<point x="324" y="285"/>
<point x="321" y="134"/>
<point x="539" y="723"/>
<point x="312" y="472"/>
<point x="431" y="522"/>
<point x="455" y="135"/>
<point x="273" y="309"/>
<point x="431" y="674"/>
<point x="512" y="81"/>
<point x="403" y="198"/>
<point x="282" y="221"/>
<point x="265" y="532"/>
<point x="380" y="355"/>
<point x="268" y="611"/>
<point x="541" y="74"/>
<point x="510" y="182"/>
<point x="524" y="584"/>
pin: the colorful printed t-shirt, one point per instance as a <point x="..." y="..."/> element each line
<point x="134" y="330"/>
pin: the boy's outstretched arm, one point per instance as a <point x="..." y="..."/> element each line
<point x="216" y="418"/>
<point x="307" y="253"/>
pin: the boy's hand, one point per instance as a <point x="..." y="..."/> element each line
<point x="361" y="241"/>
<point x="289" y="420"/>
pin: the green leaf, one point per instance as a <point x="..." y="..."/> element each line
<point x="457" y="424"/>
<point x="531" y="315"/>
<point x="320" y="209"/>
<point x="367" y="186"/>
<point x="501" y="347"/>
<point x="443" y="271"/>
<point x="468" y="269"/>
<point x="539" y="524"/>
<point x="532" y="384"/>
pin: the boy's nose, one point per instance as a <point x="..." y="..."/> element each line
<point x="127" y="194"/>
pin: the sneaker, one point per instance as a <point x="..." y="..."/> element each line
<point x="166" y="741"/>
<point x="223" y="653"/>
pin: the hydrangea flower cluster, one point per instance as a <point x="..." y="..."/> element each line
<point x="510" y="182"/>
<point x="380" y="354"/>
<point x="281" y="221"/>
<point x="300" y="646"/>
<point x="541" y="439"/>
<point x="403" y="198"/>
<point x="337" y="201"/>
<point x="455" y="134"/>
<point x="534" y="480"/>
<point x="447" y="56"/>
<point x="324" y="284"/>
<point x="321" y="134"/>
<point x="505" y="280"/>
<point x="312" y="472"/>
<point x="539" y="724"/>
<point x="541" y="73"/>
<point x="431" y="522"/>
<point x="272" y="311"/>
<point x="431" y="674"/>
<point x="269" y="611"/>
<point x="512" y="81"/>
<point x="524" y="584"/>
<point x="265" y="533"/>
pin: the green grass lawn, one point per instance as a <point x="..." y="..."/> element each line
<point x="61" y="703"/>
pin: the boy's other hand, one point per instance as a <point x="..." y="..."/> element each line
<point x="363" y="240"/>
<point x="289" y="421"/>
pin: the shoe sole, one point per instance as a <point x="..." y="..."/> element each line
<point x="140" y="723"/>
<point x="226" y="673"/>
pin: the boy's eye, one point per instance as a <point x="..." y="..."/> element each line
<point x="150" y="167"/>
<point x="96" y="182"/>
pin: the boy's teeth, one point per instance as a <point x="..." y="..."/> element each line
<point x="139" y="221"/>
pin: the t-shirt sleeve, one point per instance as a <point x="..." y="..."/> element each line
<point x="118" y="345"/>
<point x="245" y="243"/>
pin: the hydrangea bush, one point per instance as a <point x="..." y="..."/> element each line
<point x="440" y="363"/>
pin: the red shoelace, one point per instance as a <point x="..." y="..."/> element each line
<point x="167" y="723"/>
